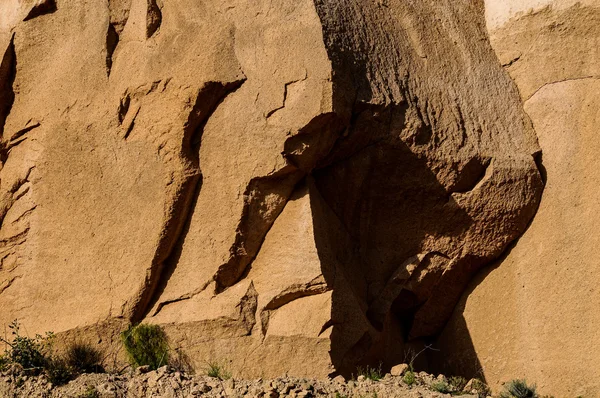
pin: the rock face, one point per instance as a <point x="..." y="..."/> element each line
<point x="534" y="313"/>
<point x="292" y="186"/>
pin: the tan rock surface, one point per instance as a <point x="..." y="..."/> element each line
<point x="297" y="185"/>
<point x="533" y="314"/>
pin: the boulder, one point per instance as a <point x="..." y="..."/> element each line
<point x="399" y="370"/>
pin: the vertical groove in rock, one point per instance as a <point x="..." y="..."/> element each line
<point x="8" y="73"/>
<point x="118" y="15"/>
<point x="207" y="101"/>
<point x="112" y="40"/>
<point x="153" y="17"/>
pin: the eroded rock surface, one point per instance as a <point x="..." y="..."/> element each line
<point x="297" y="185"/>
<point x="533" y="314"/>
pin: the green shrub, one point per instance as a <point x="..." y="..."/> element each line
<point x="58" y="371"/>
<point x="218" y="370"/>
<point x="84" y="358"/>
<point x="146" y="345"/>
<point x="457" y="383"/>
<point x="3" y="363"/>
<point x="370" y="373"/>
<point x="409" y="377"/>
<point x="440" y="386"/>
<point x="25" y="351"/>
<point x="483" y="390"/>
<point x="518" y="389"/>
<point x="91" y="392"/>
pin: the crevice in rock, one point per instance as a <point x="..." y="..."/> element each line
<point x="16" y="139"/>
<point x="380" y="307"/>
<point x="286" y="88"/>
<point x="25" y="214"/>
<point x="118" y="16"/>
<point x="512" y="61"/>
<point x="538" y="158"/>
<point x="258" y="216"/>
<point x="20" y="193"/>
<point x="8" y="73"/>
<point x="327" y="325"/>
<point x="24" y="131"/>
<point x="124" y="105"/>
<point x="130" y="104"/>
<point x="9" y="197"/>
<point x="112" y="40"/>
<point x="128" y="128"/>
<point x="15" y="239"/>
<point x="41" y="8"/>
<point x="8" y="283"/>
<point x="295" y="292"/>
<point x="316" y="286"/>
<point x="184" y="297"/>
<point x="265" y="197"/>
<point x="560" y="81"/>
<point x="471" y="175"/>
<point x="209" y="97"/>
<point x="153" y="17"/>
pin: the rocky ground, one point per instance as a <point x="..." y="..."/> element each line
<point x="172" y="384"/>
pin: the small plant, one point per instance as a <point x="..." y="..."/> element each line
<point x="370" y="373"/>
<point x="20" y="382"/>
<point x="3" y="363"/>
<point x="218" y="371"/>
<point x="58" y="371"/>
<point x="457" y="383"/>
<point x="146" y="345"/>
<point x="338" y="395"/>
<point x="180" y="362"/>
<point x="91" y="392"/>
<point x="409" y="378"/>
<point x="440" y="386"/>
<point x="481" y="388"/>
<point x="34" y="356"/>
<point x="25" y="351"/>
<point x="518" y="389"/>
<point x="84" y="358"/>
<point x="410" y="356"/>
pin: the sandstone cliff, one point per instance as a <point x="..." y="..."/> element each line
<point x="534" y="313"/>
<point x="297" y="185"/>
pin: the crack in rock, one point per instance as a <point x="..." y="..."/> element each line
<point x="8" y="73"/>
<point x="294" y="292"/>
<point x="41" y="7"/>
<point x="287" y="86"/>
<point x="118" y="16"/>
<point x="209" y="97"/>
<point x="153" y="17"/>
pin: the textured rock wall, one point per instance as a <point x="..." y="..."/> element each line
<point x="293" y="186"/>
<point x="534" y="313"/>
